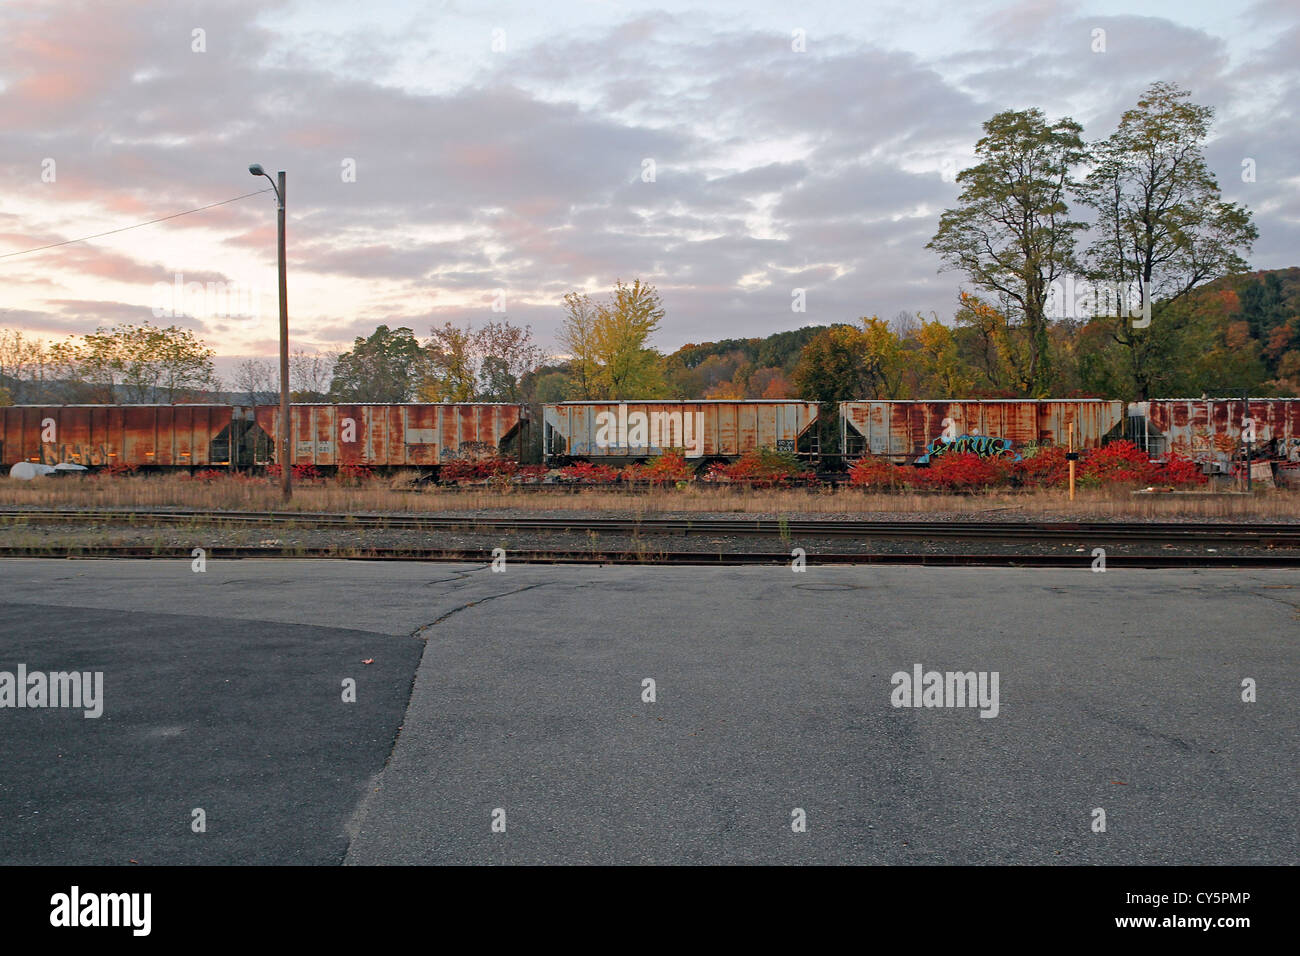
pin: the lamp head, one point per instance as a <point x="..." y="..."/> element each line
<point x="256" y="169"/>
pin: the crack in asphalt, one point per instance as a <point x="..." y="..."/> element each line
<point x="352" y="826"/>
<point x="418" y="633"/>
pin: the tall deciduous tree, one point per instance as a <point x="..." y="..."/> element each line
<point x="451" y="375"/>
<point x="626" y="366"/>
<point x="137" y="363"/>
<point x="489" y="364"/>
<point x="832" y="366"/>
<point x="1162" y="224"/>
<point x="310" y="374"/>
<point x="508" y="356"/>
<point x="1011" y="232"/>
<point x="389" y="366"/>
<point x="257" y="381"/>
<point x="577" y="336"/>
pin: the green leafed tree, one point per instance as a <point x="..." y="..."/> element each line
<point x="388" y="366"/>
<point x="1011" y="232"/>
<point x="137" y="364"/>
<point x="1162" y="226"/>
<point x="833" y="366"/>
<point x="629" y="368"/>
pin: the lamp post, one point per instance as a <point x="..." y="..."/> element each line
<point x="286" y="456"/>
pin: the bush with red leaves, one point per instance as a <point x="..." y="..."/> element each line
<point x="872" y="472"/>
<point x="667" y="469"/>
<point x="1123" y="462"/>
<point x="762" y="468"/>
<point x="481" y="469"/>
<point x="1120" y="462"/>
<point x="531" y="473"/>
<point x="1046" y="467"/>
<point x="1177" y="470"/>
<point x="962" y="471"/>
<point x="301" y="473"/>
<point x="588" y="473"/>
<point x="353" y="476"/>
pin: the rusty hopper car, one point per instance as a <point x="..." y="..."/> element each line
<point x="395" y="436"/>
<point x="703" y="430"/>
<point x="1213" y="430"/>
<point x="906" y="431"/>
<point x="139" y="436"/>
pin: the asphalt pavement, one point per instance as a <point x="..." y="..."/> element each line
<point x="660" y="715"/>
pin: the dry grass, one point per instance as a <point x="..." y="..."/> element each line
<point x="145" y="492"/>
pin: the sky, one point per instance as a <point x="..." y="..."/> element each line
<point x="455" y="161"/>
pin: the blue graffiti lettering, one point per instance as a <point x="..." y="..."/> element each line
<point x="986" y="446"/>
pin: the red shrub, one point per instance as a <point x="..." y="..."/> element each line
<point x="300" y="473"/>
<point x="1119" y="462"/>
<point x="586" y="472"/>
<point x="1122" y="462"/>
<point x="1046" y="468"/>
<point x="761" y="468"/>
<point x="962" y="470"/>
<point x="668" y="468"/>
<point x="478" y="469"/>
<point x="871" y="472"/>
<point x="531" y="472"/>
<point x="1177" y="470"/>
<point x="353" y="476"/>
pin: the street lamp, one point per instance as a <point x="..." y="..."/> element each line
<point x="286" y="457"/>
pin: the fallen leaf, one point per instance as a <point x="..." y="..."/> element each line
<point x="368" y="660"/>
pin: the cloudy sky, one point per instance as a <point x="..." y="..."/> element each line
<point x="441" y="155"/>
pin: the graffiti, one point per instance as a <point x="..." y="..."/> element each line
<point x="986" y="446"/>
<point x="77" y="454"/>
<point x="469" y="451"/>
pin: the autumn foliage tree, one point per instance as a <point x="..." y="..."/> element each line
<point x="1011" y="231"/>
<point x="608" y="342"/>
<point x="1162" y="225"/>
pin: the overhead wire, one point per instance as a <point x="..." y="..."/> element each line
<point x="100" y="235"/>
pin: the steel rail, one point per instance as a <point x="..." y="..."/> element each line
<point x="1254" y="533"/>
<point x="483" y="556"/>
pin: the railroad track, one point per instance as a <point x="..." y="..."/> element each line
<point x="1246" y="534"/>
<point x="483" y="556"/>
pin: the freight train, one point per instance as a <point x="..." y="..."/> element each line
<point x="1216" y="432"/>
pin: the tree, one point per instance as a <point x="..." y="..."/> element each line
<point x="137" y="363"/>
<point x="577" y="336"/>
<point x="607" y="343"/>
<point x="1263" y="305"/>
<point x="883" y="358"/>
<point x="943" y="374"/>
<point x="452" y="365"/>
<point x="1011" y="232"/>
<point x="257" y="381"/>
<point x="996" y="354"/>
<point x="490" y="364"/>
<point x="23" y="363"/>
<point x="389" y="366"/>
<point x="507" y="357"/>
<point x="310" y="374"/>
<point x="1162" y="224"/>
<point x="832" y="366"/>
